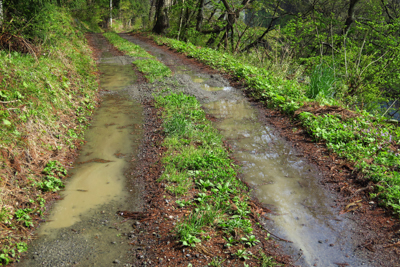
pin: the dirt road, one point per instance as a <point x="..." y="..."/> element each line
<point x="293" y="179"/>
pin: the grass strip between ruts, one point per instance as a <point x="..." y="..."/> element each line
<point x="148" y="64"/>
<point x="199" y="170"/>
<point x="369" y="142"/>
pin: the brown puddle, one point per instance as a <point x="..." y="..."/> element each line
<point x="288" y="185"/>
<point x="100" y="173"/>
<point x="115" y="77"/>
<point x="202" y="81"/>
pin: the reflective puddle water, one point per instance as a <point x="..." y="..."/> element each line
<point x="202" y="81"/>
<point x="98" y="177"/>
<point x="115" y="77"/>
<point x="287" y="184"/>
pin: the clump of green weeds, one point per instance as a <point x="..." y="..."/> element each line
<point x="153" y="69"/>
<point x="51" y="181"/>
<point x="125" y="46"/>
<point x="322" y="82"/>
<point x="11" y="251"/>
<point x="23" y="216"/>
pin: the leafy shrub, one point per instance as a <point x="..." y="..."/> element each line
<point x="322" y="82"/>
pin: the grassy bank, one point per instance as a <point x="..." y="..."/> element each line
<point x="200" y="173"/>
<point x="367" y="141"/>
<point x="45" y="100"/>
<point x="147" y="64"/>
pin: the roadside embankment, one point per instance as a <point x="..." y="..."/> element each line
<point x="46" y="98"/>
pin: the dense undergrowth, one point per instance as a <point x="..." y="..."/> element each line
<point x="199" y="171"/>
<point x="368" y="141"/>
<point x="146" y="63"/>
<point x="45" y="101"/>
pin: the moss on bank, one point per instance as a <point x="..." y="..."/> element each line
<point x="45" y="101"/>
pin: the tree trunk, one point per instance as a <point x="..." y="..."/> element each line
<point x="110" y="13"/>
<point x="1" y="12"/>
<point x="350" y="15"/>
<point x="180" y="23"/>
<point x="200" y="15"/>
<point x="151" y="11"/>
<point x="162" y="20"/>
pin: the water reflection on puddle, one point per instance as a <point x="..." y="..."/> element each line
<point x="202" y="81"/>
<point x="115" y="77"/>
<point x="98" y="176"/>
<point x="285" y="182"/>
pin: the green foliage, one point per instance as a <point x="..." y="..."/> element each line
<point x="56" y="82"/>
<point x="242" y="254"/>
<point x="217" y="262"/>
<point x="153" y="69"/>
<point x="51" y="181"/>
<point x="5" y="215"/>
<point x="267" y="261"/>
<point x="11" y="251"/>
<point x="250" y="240"/>
<point x="125" y="46"/>
<point x="369" y="144"/>
<point x="365" y="59"/>
<point x="48" y="97"/>
<point x="22" y="215"/>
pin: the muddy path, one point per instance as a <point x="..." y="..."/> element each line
<point x="284" y="176"/>
<point x="119" y="165"/>
<point x="83" y="229"/>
